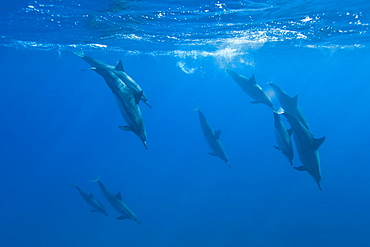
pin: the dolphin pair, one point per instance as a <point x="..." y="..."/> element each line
<point x="213" y="138"/>
<point x="251" y="88"/>
<point x="307" y="145"/>
<point x="307" y="148"/>
<point x="95" y="204"/>
<point x="116" y="201"/>
<point x="126" y="92"/>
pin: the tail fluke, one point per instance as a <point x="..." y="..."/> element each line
<point x="95" y="179"/>
<point x="146" y="102"/>
<point x="79" y="53"/>
<point x="136" y="220"/>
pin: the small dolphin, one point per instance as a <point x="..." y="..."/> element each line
<point x="250" y="87"/>
<point x="282" y="135"/>
<point x="289" y="104"/>
<point x="128" y="102"/>
<point x="131" y="83"/>
<point x="95" y="204"/>
<point x="117" y="203"/>
<point x="213" y="138"/>
<point x="307" y="148"/>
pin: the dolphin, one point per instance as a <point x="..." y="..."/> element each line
<point x="283" y="140"/>
<point x="128" y="102"/>
<point x="213" y="138"/>
<point x="120" y="72"/>
<point x="250" y="87"/>
<point x="117" y="203"/>
<point x="307" y="148"/>
<point x="131" y="83"/>
<point x="289" y="104"/>
<point x="95" y="204"/>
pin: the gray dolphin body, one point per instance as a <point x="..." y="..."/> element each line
<point x="307" y="148"/>
<point x="284" y="143"/>
<point x="131" y="83"/>
<point x="95" y="204"/>
<point x="289" y="104"/>
<point x="126" y="100"/>
<point x="213" y="138"/>
<point x="116" y="201"/>
<point x="250" y="87"/>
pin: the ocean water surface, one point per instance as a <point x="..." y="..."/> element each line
<point x="59" y="123"/>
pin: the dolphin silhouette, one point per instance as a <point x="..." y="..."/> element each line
<point x="95" y="204"/>
<point x="116" y="201"/>
<point x="128" y="102"/>
<point x="283" y="140"/>
<point x="289" y="104"/>
<point x="307" y="148"/>
<point x="250" y="87"/>
<point x="213" y="138"/>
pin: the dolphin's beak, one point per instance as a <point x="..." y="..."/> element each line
<point x="319" y="186"/>
<point x="146" y="102"/>
<point x="136" y="220"/>
<point x="146" y="147"/>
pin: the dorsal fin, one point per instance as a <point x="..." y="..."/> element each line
<point x="138" y="96"/>
<point x="295" y="100"/>
<point x="317" y="142"/>
<point x="118" y="196"/>
<point x="217" y="134"/>
<point x="290" y="131"/>
<point x="252" y="79"/>
<point x="119" y="66"/>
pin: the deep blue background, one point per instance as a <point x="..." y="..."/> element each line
<point x="59" y="126"/>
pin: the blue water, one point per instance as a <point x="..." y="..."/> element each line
<point x="59" y="123"/>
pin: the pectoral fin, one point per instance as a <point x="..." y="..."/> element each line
<point x="121" y="218"/>
<point x="125" y="128"/>
<point x="277" y="148"/>
<point x="213" y="154"/>
<point x="300" y="168"/>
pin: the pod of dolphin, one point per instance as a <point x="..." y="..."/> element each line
<point x="128" y="94"/>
